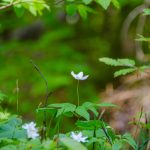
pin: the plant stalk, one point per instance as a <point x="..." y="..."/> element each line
<point x="78" y="93"/>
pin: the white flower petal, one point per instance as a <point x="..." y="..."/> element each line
<point x="78" y="137"/>
<point x="32" y="131"/>
<point x="80" y="134"/>
<point x="80" y="75"/>
<point x="85" y="77"/>
<point x="73" y="74"/>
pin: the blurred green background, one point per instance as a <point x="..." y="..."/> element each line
<point x="59" y="44"/>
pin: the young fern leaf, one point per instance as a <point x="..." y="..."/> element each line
<point x="124" y="71"/>
<point x="118" y="62"/>
<point x="146" y="11"/>
<point x="142" y="38"/>
<point x="142" y="68"/>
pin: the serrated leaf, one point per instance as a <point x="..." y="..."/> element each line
<point x="142" y="68"/>
<point x="82" y="11"/>
<point x="118" y="62"/>
<point x="81" y="111"/>
<point x="35" y="7"/>
<point x="63" y="108"/>
<point x="124" y="71"/>
<point x="109" y="61"/>
<point x="19" y="10"/>
<point x="90" y="106"/>
<point x="129" y="139"/>
<point x="89" y="125"/>
<point x="106" y="105"/>
<point x="146" y="11"/>
<point x="71" y="9"/>
<point x="87" y="1"/>
<point x="116" y="3"/>
<point x="9" y="147"/>
<point x="2" y="96"/>
<point x="117" y="145"/>
<point x="104" y="3"/>
<point x="11" y="129"/>
<point x="72" y="144"/>
<point x="142" y="38"/>
<point x="8" y="1"/>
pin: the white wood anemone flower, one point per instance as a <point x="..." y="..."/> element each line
<point x="32" y="131"/>
<point x="79" y="76"/>
<point x="79" y="137"/>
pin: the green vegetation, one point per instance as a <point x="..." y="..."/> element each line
<point x="43" y="44"/>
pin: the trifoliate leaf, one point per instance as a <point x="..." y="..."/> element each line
<point x="81" y="111"/>
<point x="89" y="125"/>
<point x="63" y="108"/>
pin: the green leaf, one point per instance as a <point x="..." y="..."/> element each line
<point x="8" y="1"/>
<point x="118" y="62"/>
<point x="4" y="115"/>
<point x="116" y="3"/>
<point x="146" y="11"/>
<point x="90" y="106"/>
<point x="71" y="9"/>
<point x="72" y="144"/>
<point x="9" y="147"/>
<point x="81" y="111"/>
<point x="2" y="96"/>
<point x="87" y="1"/>
<point x="142" y="38"/>
<point x="19" y="10"/>
<point x="106" y="105"/>
<point x="35" y="6"/>
<point x="82" y="11"/>
<point x="117" y="145"/>
<point x="142" y="68"/>
<point x="104" y="3"/>
<point x="129" y="139"/>
<point x="11" y="129"/>
<point x="124" y="71"/>
<point x="63" y="108"/>
<point x="89" y="125"/>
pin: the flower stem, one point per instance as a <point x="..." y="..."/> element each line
<point x="78" y="93"/>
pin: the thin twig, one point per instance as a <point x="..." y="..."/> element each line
<point x="140" y="30"/>
<point x="129" y="19"/>
<point x="101" y="114"/>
